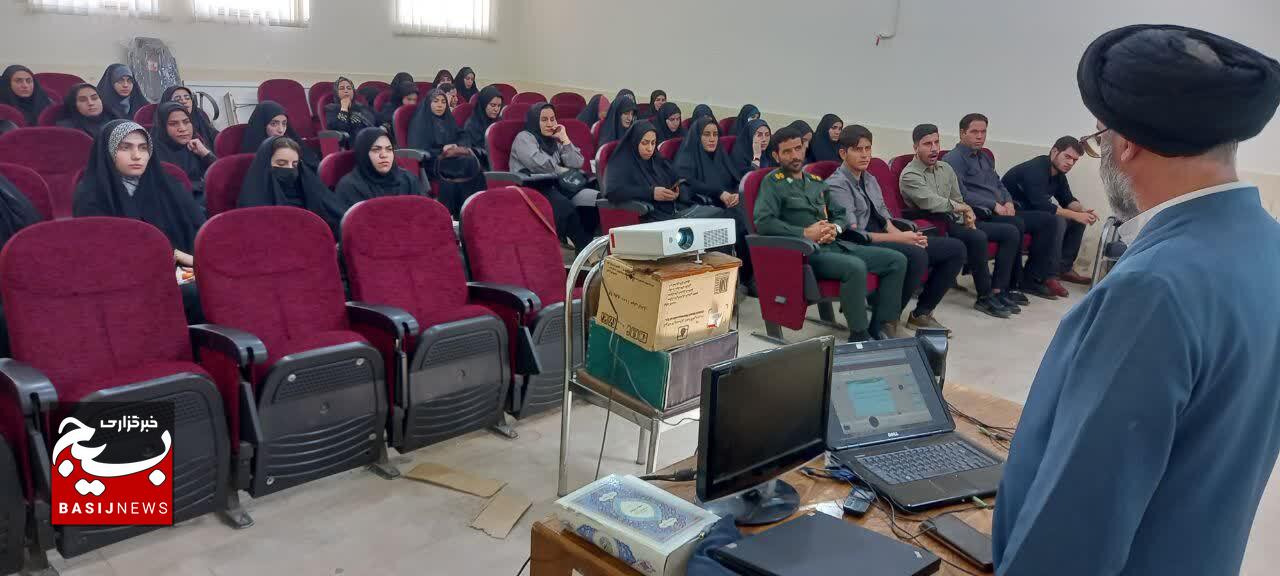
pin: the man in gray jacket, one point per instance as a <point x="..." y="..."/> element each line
<point x="858" y="191"/>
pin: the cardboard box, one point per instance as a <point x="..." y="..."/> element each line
<point x="670" y="303"/>
<point x="663" y="379"/>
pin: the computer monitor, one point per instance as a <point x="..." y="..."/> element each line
<point x="762" y="415"/>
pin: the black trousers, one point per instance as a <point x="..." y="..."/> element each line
<point x="1072" y="236"/>
<point x="569" y="221"/>
<point x="942" y="260"/>
<point x="1046" y="245"/>
<point x="975" y="240"/>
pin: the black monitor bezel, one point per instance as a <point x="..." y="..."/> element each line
<point x="706" y="490"/>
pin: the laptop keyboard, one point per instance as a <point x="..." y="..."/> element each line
<point x="925" y="462"/>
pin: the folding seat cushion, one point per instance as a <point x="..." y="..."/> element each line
<point x="177" y="173"/>
<point x="55" y="153"/>
<point x="529" y="98"/>
<point x="317" y="91"/>
<point x="500" y="136"/>
<point x="822" y="169"/>
<point x="402" y="252"/>
<point x="31" y="185"/>
<point x="146" y="115"/>
<point x="222" y="181"/>
<point x="291" y="95"/>
<point x="319" y="388"/>
<point x="669" y="148"/>
<point x="615" y="215"/>
<point x="12" y="114"/>
<point x="786" y="283"/>
<point x="93" y="306"/>
<point x="334" y="166"/>
<point x="508" y="91"/>
<point x="229" y="139"/>
<point x="400" y="121"/>
<point x="515" y="112"/>
<point x="51" y="115"/>
<point x="507" y="244"/>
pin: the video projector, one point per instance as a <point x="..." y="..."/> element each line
<point x="657" y="240"/>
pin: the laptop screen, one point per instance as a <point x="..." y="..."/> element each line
<point x="882" y="391"/>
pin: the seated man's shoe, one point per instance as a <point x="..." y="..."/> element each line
<point x="991" y="307"/>
<point x="1058" y="289"/>
<point x="1039" y="290"/>
<point x="1016" y="297"/>
<point x="1008" y="304"/>
<point x="1074" y="278"/>
<point x="927" y="320"/>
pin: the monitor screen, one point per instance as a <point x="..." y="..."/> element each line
<point x="762" y="415"/>
<point x="882" y="393"/>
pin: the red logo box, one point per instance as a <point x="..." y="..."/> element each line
<point x="112" y="464"/>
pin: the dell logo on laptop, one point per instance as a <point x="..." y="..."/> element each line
<point x="893" y="434"/>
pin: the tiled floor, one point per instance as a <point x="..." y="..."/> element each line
<point x="357" y="524"/>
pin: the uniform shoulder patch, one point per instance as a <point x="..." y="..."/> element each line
<point x="815" y="178"/>
<point x="777" y="175"/>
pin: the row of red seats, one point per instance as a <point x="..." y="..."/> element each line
<point x="289" y="382"/>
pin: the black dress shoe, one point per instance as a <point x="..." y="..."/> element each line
<point x="1008" y="304"/>
<point x="991" y="307"/>
<point x="860" y="336"/>
<point x="1016" y="297"/>
<point x="1040" y="291"/>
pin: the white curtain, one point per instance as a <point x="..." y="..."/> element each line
<point x="264" y="12"/>
<point x="123" y="7"/>
<point x="465" y="18"/>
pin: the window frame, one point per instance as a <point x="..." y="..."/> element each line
<point x="399" y="28"/>
<point x="246" y="17"/>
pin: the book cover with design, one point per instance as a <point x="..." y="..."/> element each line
<point x="636" y="522"/>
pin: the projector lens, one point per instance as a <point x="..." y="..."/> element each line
<point x="686" y="238"/>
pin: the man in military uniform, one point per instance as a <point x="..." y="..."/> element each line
<point x="792" y="203"/>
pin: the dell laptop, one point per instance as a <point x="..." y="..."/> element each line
<point x="890" y="425"/>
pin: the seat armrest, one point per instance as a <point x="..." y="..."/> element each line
<point x="390" y="319"/>
<point x="521" y="300"/>
<point x="244" y="347"/>
<point x="903" y="224"/>
<point x="413" y="154"/>
<point x="340" y="135"/>
<point x="804" y="246"/>
<point x="637" y="206"/>
<point x="32" y="388"/>
<point x="537" y="178"/>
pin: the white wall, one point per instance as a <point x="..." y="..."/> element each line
<point x="1013" y="60"/>
<point x="345" y="36"/>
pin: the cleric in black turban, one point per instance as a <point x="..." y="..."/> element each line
<point x="1178" y="91"/>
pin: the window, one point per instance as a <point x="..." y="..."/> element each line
<point x="126" y="7"/>
<point x="268" y="12"/>
<point x="466" y="18"/>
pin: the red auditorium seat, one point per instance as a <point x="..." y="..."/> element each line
<point x="684" y="124"/>
<point x="334" y="166"/>
<point x="568" y="104"/>
<point x="643" y="110"/>
<point x="222" y="181"/>
<point x="499" y="137"/>
<point x="423" y="88"/>
<point x="515" y="112"/>
<point x="595" y="131"/>
<point x="314" y="94"/>
<point x="310" y="401"/>
<point x="726" y="143"/>
<point x="31" y="185"/>
<point x="178" y="174"/>
<point x="12" y="114"/>
<point x="727" y="125"/>
<point x="55" y="153"/>
<point x="291" y="95"/>
<point x="822" y="168"/>
<point x="615" y="215"/>
<point x="381" y="100"/>
<point x="669" y="148"/>
<point x="529" y="98"/>
<point x="229" y="140"/>
<point x="785" y="282"/>
<point x="522" y="264"/>
<point x="375" y="85"/>
<point x="51" y="114"/>
<point x="146" y="116"/>
<point x="508" y="91"/>
<point x="57" y="82"/>
<point x="462" y="112"/>
<point x="580" y="135"/>
<point x="400" y="123"/>
<point x="74" y="292"/>
<point x="402" y="252"/>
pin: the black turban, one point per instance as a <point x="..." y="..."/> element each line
<point x="1159" y="87"/>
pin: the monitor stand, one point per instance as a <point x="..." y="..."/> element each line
<point x="767" y="503"/>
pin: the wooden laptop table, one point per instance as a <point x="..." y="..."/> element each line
<point x="556" y="552"/>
